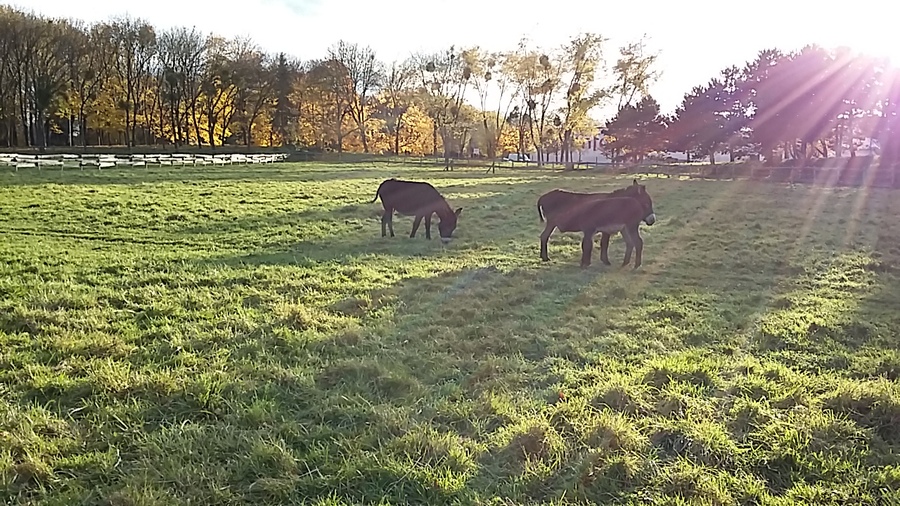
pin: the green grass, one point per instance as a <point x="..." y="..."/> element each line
<point x="245" y="336"/>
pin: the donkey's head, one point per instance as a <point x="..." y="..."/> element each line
<point x="448" y="225"/>
<point x="639" y="193"/>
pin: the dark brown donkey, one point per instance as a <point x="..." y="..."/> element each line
<point x="558" y="206"/>
<point x="414" y="198"/>
<point x="615" y="214"/>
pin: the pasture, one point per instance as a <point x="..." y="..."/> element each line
<point x="244" y="335"/>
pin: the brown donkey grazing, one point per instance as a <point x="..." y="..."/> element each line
<point x="559" y="206"/>
<point x="616" y="214"/>
<point x="413" y="198"/>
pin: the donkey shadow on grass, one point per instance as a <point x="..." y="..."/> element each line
<point x="451" y="339"/>
<point x="464" y="333"/>
<point x="277" y="238"/>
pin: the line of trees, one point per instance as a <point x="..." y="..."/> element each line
<point x="811" y="103"/>
<point x="123" y="82"/>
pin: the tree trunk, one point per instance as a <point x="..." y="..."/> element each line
<point x="434" y="138"/>
<point x="250" y="123"/>
<point x="340" y="134"/>
<point x="444" y="135"/>
<point x="397" y="139"/>
<point x="82" y="121"/>
<point x="838" y="141"/>
<point x="39" y="140"/>
<point x="364" y="139"/>
<point x="134" y="130"/>
<point x="210" y="124"/>
<point x="521" y="144"/>
<point x="172" y="120"/>
<point x="196" y="125"/>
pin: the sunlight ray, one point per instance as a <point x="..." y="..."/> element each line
<point x="798" y="92"/>
<point x="833" y="175"/>
<point x="666" y="250"/>
<point x="862" y="198"/>
<point x="818" y="196"/>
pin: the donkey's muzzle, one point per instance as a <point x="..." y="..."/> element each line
<point x="651" y="219"/>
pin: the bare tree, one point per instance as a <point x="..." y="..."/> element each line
<point x="444" y="78"/>
<point x="397" y="98"/>
<point x="633" y="74"/>
<point x="46" y="71"/>
<point x="254" y="85"/>
<point x="493" y="72"/>
<point x="331" y="81"/>
<point x="7" y="88"/>
<point x="92" y="55"/>
<point x="135" y="47"/>
<point x="582" y="61"/>
<point x="183" y="56"/>
<point x="538" y="79"/>
<point x="365" y="74"/>
<point x="217" y="88"/>
<point x="23" y="40"/>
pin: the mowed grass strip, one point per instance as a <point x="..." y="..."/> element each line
<point x="244" y="335"/>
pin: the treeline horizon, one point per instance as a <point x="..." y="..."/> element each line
<point x="122" y="82"/>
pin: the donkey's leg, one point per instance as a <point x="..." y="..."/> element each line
<point x="545" y="236"/>
<point x="629" y="245"/>
<point x="428" y="226"/>
<point x="604" y="247"/>
<point x="587" y="245"/>
<point x="416" y="223"/>
<point x="638" y="246"/>
<point x="386" y="218"/>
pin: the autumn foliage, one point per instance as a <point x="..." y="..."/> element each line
<point x="124" y="82"/>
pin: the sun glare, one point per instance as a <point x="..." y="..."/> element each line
<point x="870" y="39"/>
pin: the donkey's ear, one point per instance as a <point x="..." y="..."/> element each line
<point x="458" y="210"/>
<point x="634" y="182"/>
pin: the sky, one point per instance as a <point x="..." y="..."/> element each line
<point x="695" y="39"/>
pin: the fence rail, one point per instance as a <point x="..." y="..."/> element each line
<point x="852" y="172"/>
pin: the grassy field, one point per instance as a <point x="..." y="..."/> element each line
<point x="245" y="336"/>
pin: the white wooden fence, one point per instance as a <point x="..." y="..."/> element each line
<point x="82" y="161"/>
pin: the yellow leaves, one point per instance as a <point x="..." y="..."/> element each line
<point x="415" y="134"/>
<point x="509" y="140"/>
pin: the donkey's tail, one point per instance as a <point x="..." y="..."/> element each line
<point x="540" y="214"/>
<point x="377" y="193"/>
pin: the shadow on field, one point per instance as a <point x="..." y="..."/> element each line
<point x="354" y="230"/>
<point x="465" y="336"/>
<point x="472" y="334"/>
<point x="494" y="216"/>
<point x="379" y="414"/>
<point x="290" y="172"/>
